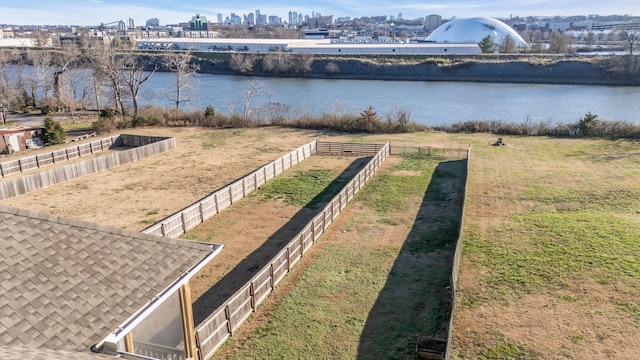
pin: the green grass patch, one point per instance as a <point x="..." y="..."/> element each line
<point x="308" y="188"/>
<point x="389" y="192"/>
<point x="368" y="299"/>
<point x="553" y="248"/>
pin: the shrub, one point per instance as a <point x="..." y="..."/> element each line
<point x="107" y="113"/>
<point x="209" y="112"/>
<point x="53" y="132"/>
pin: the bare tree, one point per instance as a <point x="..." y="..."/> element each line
<point x="242" y="63"/>
<point x="63" y="59"/>
<point x="9" y="94"/>
<point x="105" y="66"/>
<point x="631" y="37"/>
<point x="507" y="45"/>
<point x="302" y="62"/>
<point x="276" y="62"/>
<point x="254" y="88"/>
<point x="559" y="43"/>
<point x="41" y="62"/>
<point x="134" y="73"/>
<point x="180" y="63"/>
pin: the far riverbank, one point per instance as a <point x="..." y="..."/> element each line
<point x="534" y="69"/>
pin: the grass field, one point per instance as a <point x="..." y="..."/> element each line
<point x="551" y="249"/>
<point x="381" y="278"/>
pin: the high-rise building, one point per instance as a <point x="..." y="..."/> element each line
<point x="132" y="25"/>
<point x="198" y="23"/>
<point x="219" y="18"/>
<point x="432" y="22"/>
<point x="274" y="20"/>
<point x="249" y="19"/>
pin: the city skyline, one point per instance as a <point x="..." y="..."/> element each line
<point x="94" y="12"/>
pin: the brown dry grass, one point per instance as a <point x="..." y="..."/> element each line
<point x="579" y="321"/>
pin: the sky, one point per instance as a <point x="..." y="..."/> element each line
<point x="94" y="12"/>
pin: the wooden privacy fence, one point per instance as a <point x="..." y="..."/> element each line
<point x="193" y="215"/>
<point x="41" y="160"/>
<point x="456" y="259"/>
<point x="348" y="149"/>
<point x="224" y="321"/>
<point x="146" y="146"/>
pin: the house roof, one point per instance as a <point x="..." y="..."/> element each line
<point x="65" y="284"/>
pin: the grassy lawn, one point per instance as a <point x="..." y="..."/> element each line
<point x="551" y="264"/>
<point x="378" y="279"/>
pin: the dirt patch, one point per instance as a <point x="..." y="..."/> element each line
<point x="137" y="195"/>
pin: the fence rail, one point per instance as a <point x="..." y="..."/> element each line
<point x="146" y="146"/>
<point x="188" y="218"/>
<point x="348" y="149"/>
<point x="222" y="323"/>
<point x="41" y="160"/>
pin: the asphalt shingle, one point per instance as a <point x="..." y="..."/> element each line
<point x="66" y="284"/>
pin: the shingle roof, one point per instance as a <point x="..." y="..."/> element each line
<point x="66" y="284"/>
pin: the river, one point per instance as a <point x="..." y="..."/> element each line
<point x="429" y="103"/>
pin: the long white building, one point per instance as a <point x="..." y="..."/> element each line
<point x="311" y="46"/>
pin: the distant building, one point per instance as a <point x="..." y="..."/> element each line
<point x="275" y="20"/>
<point x="249" y="19"/>
<point x="219" y="18"/>
<point x="6" y="33"/>
<point x="198" y="23"/>
<point x="132" y="24"/>
<point x="153" y="23"/>
<point x="473" y="30"/>
<point x="432" y="22"/>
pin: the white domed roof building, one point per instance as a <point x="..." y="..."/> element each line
<point x="473" y="30"/>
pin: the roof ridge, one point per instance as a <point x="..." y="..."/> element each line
<point x="106" y="228"/>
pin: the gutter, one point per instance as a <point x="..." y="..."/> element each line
<point x="109" y="345"/>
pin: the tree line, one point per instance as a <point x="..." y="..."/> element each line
<point x="97" y="73"/>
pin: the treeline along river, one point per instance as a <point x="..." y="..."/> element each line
<point x="430" y="103"/>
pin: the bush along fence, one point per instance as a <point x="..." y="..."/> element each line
<point x="143" y="147"/>
<point x="193" y="215"/>
<point x="225" y="320"/>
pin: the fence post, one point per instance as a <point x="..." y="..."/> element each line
<point x="231" y="194"/>
<point x="271" y="276"/>
<point x="162" y="230"/>
<point x="252" y="293"/>
<point x="215" y="201"/>
<point x="244" y="187"/>
<point x="255" y="181"/>
<point x="201" y="207"/>
<point x="288" y="260"/>
<point x="184" y="224"/>
<point x="227" y="314"/>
